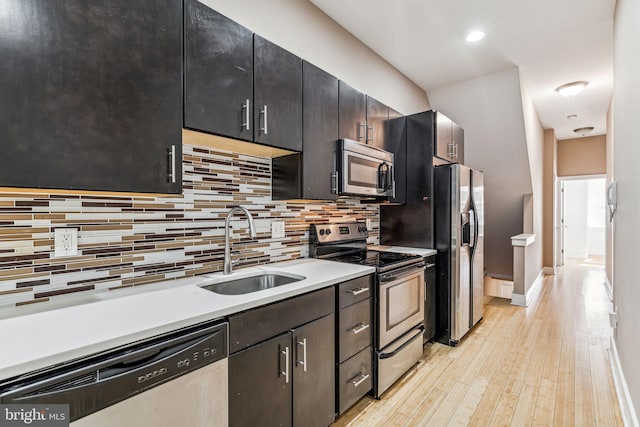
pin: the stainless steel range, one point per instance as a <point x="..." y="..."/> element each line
<point x="398" y="297"/>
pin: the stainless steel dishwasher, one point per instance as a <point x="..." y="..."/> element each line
<point x="178" y="378"/>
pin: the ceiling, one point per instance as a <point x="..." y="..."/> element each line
<point x="551" y="41"/>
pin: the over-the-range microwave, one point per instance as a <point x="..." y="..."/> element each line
<point x="363" y="170"/>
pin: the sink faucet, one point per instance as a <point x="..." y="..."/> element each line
<point x="227" y="251"/>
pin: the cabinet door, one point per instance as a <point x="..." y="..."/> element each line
<point x="314" y="373"/>
<point x="218" y="73"/>
<point x="278" y="96"/>
<point x="352" y="113"/>
<point x="320" y="132"/>
<point x="259" y="387"/>
<point x="458" y="142"/>
<point x="444" y="146"/>
<point x="377" y="117"/>
<point x="91" y="94"/>
<point x="396" y="142"/>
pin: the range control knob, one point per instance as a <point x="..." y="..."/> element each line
<point x="322" y="231"/>
<point x="328" y="231"/>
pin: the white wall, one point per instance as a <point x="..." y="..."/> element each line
<point x="535" y="151"/>
<point x="489" y="109"/>
<point x="303" y="29"/>
<point x="626" y="152"/>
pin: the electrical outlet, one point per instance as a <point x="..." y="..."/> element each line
<point x="367" y="222"/>
<point x="277" y="229"/>
<point x="65" y="242"/>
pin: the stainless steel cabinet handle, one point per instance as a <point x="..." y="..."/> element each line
<point x="430" y="265"/>
<point x="358" y="134"/>
<point x="359" y="328"/>
<point x="286" y="364"/>
<point x="334" y="183"/>
<point x="172" y="163"/>
<point x="303" y="362"/>
<point x="358" y="379"/>
<point x="265" y="114"/>
<point x="455" y="150"/>
<point x="247" y="115"/>
<point x="357" y="291"/>
<point x="366" y="134"/>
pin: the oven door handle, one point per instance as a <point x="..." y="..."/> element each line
<point x="405" y="272"/>
<point x="399" y="349"/>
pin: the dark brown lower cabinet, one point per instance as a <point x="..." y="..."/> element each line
<point x="286" y="380"/>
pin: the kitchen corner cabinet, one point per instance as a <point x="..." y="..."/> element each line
<point x="449" y="139"/>
<point x="91" y="95"/>
<point x="218" y="73"/>
<point x="281" y="367"/>
<point x="309" y="175"/>
<point x="352" y="113"/>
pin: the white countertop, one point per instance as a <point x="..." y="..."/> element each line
<point x="405" y="250"/>
<point x="38" y="340"/>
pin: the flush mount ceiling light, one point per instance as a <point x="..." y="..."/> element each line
<point x="571" y="89"/>
<point x="572" y="116"/>
<point x="475" y="36"/>
<point x="583" y="131"/>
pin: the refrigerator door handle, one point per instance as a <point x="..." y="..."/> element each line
<point x="466" y="229"/>
<point x="472" y="228"/>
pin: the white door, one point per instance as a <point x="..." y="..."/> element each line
<point x="559" y="224"/>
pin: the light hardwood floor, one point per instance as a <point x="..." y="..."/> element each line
<point x="543" y="365"/>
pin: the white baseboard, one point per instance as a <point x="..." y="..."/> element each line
<point x="524" y="300"/>
<point x="629" y="417"/>
<point x="549" y="270"/>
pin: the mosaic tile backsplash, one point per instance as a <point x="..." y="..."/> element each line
<point x="136" y="240"/>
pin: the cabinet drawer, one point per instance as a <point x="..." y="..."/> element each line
<point x="354" y="290"/>
<point x="354" y="379"/>
<point x="355" y="329"/>
<point x="254" y="326"/>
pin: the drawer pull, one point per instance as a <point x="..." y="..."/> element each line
<point x="358" y="379"/>
<point x="357" y="291"/>
<point x="359" y="328"/>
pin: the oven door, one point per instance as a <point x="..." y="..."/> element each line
<point x="401" y="303"/>
<point x="366" y="174"/>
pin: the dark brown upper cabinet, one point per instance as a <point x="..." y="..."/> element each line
<point x="395" y="131"/>
<point x="91" y="95"/>
<point x="309" y="175"/>
<point x="352" y="107"/>
<point x="218" y="73"/>
<point x="449" y="139"/>
<point x="277" y="112"/>
<point x="376" y="128"/>
<point x="239" y="85"/>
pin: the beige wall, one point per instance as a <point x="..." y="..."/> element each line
<point x="549" y="185"/>
<point x="626" y="152"/>
<point x="303" y="29"/>
<point x="582" y="156"/>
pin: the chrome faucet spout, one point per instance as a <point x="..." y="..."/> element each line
<point x="228" y="268"/>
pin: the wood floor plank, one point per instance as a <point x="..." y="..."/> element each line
<point x="542" y="365"/>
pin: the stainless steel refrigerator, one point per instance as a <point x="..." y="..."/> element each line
<point x="459" y="238"/>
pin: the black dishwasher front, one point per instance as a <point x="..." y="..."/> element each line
<point x="94" y="383"/>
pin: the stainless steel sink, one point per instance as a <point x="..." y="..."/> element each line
<point x="246" y="285"/>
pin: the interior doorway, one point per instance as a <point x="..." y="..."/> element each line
<point x="583" y="219"/>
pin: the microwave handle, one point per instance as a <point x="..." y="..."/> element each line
<point x="383" y="175"/>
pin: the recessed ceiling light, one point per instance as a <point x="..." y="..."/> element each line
<point x="475" y="36"/>
<point x="571" y="89"/>
<point x="583" y="131"/>
<point x="572" y="116"/>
